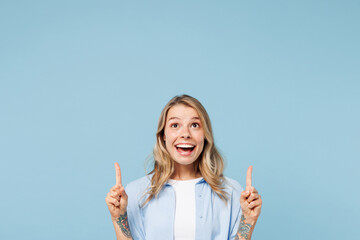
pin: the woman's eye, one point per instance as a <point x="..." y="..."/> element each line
<point x="195" y="125"/>
<point x="174" y="125"/>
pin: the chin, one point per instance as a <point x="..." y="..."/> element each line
<point x="184" y="162"/>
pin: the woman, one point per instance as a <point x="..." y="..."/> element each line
<point x="186" y="195"/>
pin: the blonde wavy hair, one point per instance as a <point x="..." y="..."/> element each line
<point x="210" y="163"/>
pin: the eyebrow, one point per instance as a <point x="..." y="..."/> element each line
<point x="172" y="118"/>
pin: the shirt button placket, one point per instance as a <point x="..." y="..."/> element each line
<point x="200" y="214"/>
<point x="201" y="204"/>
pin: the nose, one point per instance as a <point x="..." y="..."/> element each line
<point x="185" y="133"/>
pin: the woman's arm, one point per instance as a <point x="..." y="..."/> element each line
<point x="122" y="229"/>
<point x="117" y="201"/>
<point x="251" y="203"/>
<point x="245" y="229"/>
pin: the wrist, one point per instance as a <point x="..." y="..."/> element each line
<point x="250" y="221"/>
<point x="121" y="214"/>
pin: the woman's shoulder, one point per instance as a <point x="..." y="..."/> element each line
<point x="142" y="182"/>
<point x="138" y="186"/>
<point x="232" y="185"/>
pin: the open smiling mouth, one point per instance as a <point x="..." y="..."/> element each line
<point x="185" y="149"/>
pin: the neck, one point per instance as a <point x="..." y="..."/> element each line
<point x="185" y="172"/>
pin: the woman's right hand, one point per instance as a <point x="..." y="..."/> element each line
<point x="116" y="199"/>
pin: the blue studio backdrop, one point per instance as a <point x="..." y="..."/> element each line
<point x="82" y="84"/>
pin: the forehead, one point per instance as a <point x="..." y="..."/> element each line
<point x="182" y="112"/>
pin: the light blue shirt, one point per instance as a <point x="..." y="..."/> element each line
<point x="215" y="220"/>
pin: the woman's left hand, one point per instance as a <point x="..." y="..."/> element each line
<point x="250" y="201"/>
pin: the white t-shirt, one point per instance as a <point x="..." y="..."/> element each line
<point x="184" y="225"/>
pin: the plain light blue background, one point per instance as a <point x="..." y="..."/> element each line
<point x="82" y="84"/>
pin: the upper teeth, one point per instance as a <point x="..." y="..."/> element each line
<point x="184" y="146"/>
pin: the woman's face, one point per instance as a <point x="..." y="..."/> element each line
<point x="183" y="134"/>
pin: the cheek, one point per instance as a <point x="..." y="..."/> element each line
<point x="168" y="141"/>
<point x="166" y="135"/>
<point x="200" y="138"/>
<point x="202" y="143"/>
<point x="202" y="146"/>
<point x="169" y="136"/>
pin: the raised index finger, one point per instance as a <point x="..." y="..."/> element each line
<point x="118" y="174"/>
<point x="248" y="176"/>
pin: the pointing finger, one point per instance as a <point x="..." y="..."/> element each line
<point x="118" y="174"/>
<point x="248" y="176"/>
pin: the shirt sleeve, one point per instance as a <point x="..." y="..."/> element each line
<point x="235" y="209"/>
<point x="134" y="210"/>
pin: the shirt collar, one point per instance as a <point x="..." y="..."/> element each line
<point x="202" y="180"/>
